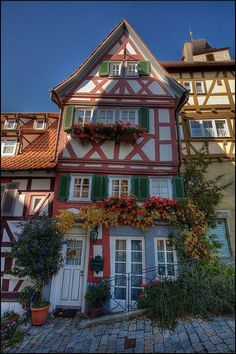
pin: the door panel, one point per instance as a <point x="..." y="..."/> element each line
<point x="70" y="278"/>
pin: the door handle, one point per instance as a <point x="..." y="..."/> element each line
<point x="82" y="273"/>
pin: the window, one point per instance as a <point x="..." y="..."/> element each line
<point x="39" y="124"/>
<point x="132" y="69"/>
<point x="10" y="124"/>
<point x="35" y="200"/>
<point x="115" y="69"/>
<point x="128" y="116"/>
<point x="208" y="128"/>
<point x="210" y="57"/>
<point x="166" y="257"/>
<point x="220" y="234"/>
<point x="221" y="128"/>
<point x="8" y="147"/>
<point x="80" y="188"/>
<point x="199" y="87"/>
<point x="83" y="115"/>
<point x="119" y="187"/>
<point x="188" y="85"/>
<point x="105" y="116"/>
<point x="161" y="187"/>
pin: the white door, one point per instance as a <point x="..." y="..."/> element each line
<point x="69" y="283"/>
<point x="127" y="264"/>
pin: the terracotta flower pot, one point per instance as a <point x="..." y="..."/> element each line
<point x="39" y="315"/>
<point x="96" y="312"/>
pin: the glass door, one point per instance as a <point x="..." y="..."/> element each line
<point x="127" y="266"/>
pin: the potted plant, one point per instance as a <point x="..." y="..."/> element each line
<point x="38" y="255"/>
<point x="97" y="295"/>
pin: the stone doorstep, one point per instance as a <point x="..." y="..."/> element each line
<point x="118" y="317"/>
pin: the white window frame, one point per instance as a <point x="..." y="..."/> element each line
<point x="36" y="124"/>
<point x="165" y="238"/>
<point x="202" y="85"/>
<point x="128" y="109"/>
<point x="72" y="185"/>
<point x="111" y="74"/>
<point x="170" y="187"/>
<point x="76" y="115"/>
<point x="3" y="146"/>
<point x="106" y="110"/>
<point x="203" y="131"/>
<point x="112" y="178"/>
<point x="32" y="202"/>
<point x="8" y="121"/>
<point x="190" y="85"/>
<point x="132" y="73"/>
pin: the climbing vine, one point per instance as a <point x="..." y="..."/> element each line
<point x="190" y="239"/>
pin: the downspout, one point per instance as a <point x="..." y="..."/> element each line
<point x="182" y="101"/>
<point x="57" y="101"/>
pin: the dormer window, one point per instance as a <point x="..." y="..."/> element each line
<point x="115" y="69"/>
<point x="39" y="124"/>
<point x="8" y="147"/>
<point x="132" y="69"/>
<point x="10" y="124"/>
<point x="83" y="115"/>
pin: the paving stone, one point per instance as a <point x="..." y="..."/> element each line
<point x="194" y="338"/>
<point x="159" y="348"/>
<point x="210" y="332"/>
<point x="216" y="340"/>
<point x="189" y="350"/>
<point x="232" y="347"/>
<point x="210" y="347"/>
<point x="229" y="340"/>
<point x="222" y="348"/>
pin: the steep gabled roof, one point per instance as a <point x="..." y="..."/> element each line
<point x="175" y="89"/>
<point x="40" y="154"/>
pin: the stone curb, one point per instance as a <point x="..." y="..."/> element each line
<point x="111" y="318"/>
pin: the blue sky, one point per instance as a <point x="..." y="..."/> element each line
<point x="45" y="41"/>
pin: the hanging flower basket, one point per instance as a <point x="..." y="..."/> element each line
<point x="117" y="132"/>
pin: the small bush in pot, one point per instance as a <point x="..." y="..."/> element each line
<point x="97" y="295"/>
<point x="38" y="255"/>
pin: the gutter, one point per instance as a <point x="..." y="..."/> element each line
<point x="182" y="101"/>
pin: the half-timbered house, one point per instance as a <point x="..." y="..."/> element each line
<point x="208" y="119"/>
<point x="28" y="160"/>
<point x="121" y="81"/>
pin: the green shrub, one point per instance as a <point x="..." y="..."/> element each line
<point x="201" y="289"/>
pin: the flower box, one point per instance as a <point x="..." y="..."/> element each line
<point x="94" y="132"/>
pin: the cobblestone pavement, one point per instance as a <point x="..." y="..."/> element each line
<point x="196" y="336"/>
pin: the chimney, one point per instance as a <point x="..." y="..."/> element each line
<point x="187" y="53"/>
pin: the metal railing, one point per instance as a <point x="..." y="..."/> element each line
<point x="126" y="288"/>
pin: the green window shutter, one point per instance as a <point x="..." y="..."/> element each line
<point x="144" y="68"/>
<point x="63" y="190"/>
<point x="143" y="114"/>
<point x="68" y="117"/>
<point x="140" y="187"/>
<point x="143" y="188"/>
<point x="178" y="188"/>
<point x="99" y="187"/>
<point x="135" y="186"/>
<point x="104" y="68"/>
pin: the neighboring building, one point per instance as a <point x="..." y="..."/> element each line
<point x="120" y="81"/>
<point x="28" y="160"/>
<point x="209" y="118"/>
